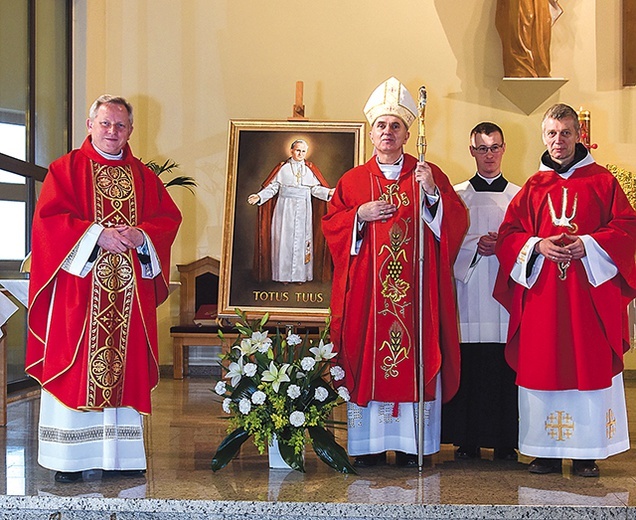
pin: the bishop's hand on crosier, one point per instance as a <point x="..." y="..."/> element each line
<point x="424" y="175"/>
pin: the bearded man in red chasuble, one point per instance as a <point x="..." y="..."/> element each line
<point x="372" y="228"/>
<point x="102" y="232"/>
<point x="567" y="273"/>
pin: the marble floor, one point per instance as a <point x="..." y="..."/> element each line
<point x="187" y="425"/>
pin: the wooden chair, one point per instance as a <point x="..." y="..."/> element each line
<point x="199" y="286"/>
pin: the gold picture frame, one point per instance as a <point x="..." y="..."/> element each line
<point x="255" y="149"/>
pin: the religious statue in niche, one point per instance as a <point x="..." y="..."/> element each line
<point x="285" y="248"/>
<point x="525" y="29"/>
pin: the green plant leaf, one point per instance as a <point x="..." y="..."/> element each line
<point x="240" y="314"/>
<point x="246" y="331"/>
<point x="264" y="319"/>
<point x="182" y="180"/>
<point x="158" y="169"/>
<point x="229" y="448"/>
<point x="262" y="360"/>
<point x="167" y="167"/>
<point x="294" y="460"/>
<point x="329" y="451"/>
<point x="245" y="389"/>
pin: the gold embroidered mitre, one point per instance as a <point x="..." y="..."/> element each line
<point x="391" y="98"/>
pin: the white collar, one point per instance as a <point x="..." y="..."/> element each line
<point x="489" y="181"/>
<point x="391" y="171"/>
<point x="586" y="161"/>
<point x="109" y="156"/>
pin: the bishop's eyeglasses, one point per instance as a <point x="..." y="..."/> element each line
<point x="483" y="149"/>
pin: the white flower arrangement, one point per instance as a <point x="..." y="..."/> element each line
<point x="280" y="386"/>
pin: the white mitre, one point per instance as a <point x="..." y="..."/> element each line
<point x="391" y="98"/>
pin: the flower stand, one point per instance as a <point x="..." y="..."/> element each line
<point x="275" y="459"/>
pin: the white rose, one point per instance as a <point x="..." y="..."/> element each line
<point x="344" y="393"/>
<point x="245" y="406"/>
<point x="226" y="405"/>
<point x="250" y="369"/>
<point x="294" y="339"/>
<point x="293" y="391"/>
<point x="258" y="397"/>
<point x="337" y="372"/>
<point x="321" y="394"/>
<point x="220" y="388"/>
<point x="297" y="419"/>
<point x="308" y="363"/>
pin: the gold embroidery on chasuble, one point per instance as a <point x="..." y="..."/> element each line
<point x="393" y="195"/>
<point x="564" y="221"/>
<point x="113" y="289"/>
<point x="395" y="306"/>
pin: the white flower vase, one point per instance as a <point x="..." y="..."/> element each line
<point x="276" y="461"/>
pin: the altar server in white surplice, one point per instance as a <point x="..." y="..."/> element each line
<point x="484" y="413"/>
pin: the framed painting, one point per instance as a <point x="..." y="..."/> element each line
<point x="279" y="177"/>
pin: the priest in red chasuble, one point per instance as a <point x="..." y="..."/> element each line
<point x="372" y="229"/>
<point x="102" y="232"/>
<point x="567" y="273"/>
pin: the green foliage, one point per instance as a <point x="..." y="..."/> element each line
<point x="229" y="448"/>
<point x="167" y="167"/>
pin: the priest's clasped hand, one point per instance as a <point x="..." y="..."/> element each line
<point x="424" y="175"/>
<point x="561" y="248"/>
<point x="486" y="244"/>
<point x="120" y="239"/>
<point x="376" y="210"/>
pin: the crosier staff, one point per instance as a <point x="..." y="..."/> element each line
<point x="421" y="151"/>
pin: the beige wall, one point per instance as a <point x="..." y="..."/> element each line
<point x="190" y="66"/>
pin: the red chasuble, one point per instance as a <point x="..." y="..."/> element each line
<point x="564" y="333"/>
<point x="263" y="243"/>
<point x="92" y="341"/>
<point x="374" y="301"/>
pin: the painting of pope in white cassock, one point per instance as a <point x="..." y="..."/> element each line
<point x="285" y="250"/>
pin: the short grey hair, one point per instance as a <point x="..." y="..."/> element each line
<point x="562" y="111"/>
<point x="107" y="99"/>
<point x="298" y="141"/>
